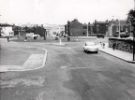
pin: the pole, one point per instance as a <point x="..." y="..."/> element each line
<point x="0" y="28"/>
<point x="91" y="28"/>
<point x="69" y="34"/>
<point x="119" y="28"/>
<point x="87" y="31"/>
<point x="134" y="37"/>
<point x="60" y="36"/>
<point x="134" y="46"/>
<point x="134" y="4"/>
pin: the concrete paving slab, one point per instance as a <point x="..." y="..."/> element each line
<point x="34" y="61"/>
<point x="128" y="57"/>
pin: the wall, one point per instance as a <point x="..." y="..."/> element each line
<point x="122" y="44"/>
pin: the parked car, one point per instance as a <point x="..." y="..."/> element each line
<point x="32" y="36"/>
<point x="90" y="47"/>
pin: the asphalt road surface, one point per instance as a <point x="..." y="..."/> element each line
<point x="71" y="74"/>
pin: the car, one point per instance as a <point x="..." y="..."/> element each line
<point x="90" y="47"/>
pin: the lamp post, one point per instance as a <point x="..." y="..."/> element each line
<point x="134" y="4"/>
<point x="134" y="45"/>
<point x="134" y="37"/>
<point x="87" y="30"/>
<point x="119" y="28"/>
<point x="0" y="29"/>
<point x="68" y="29"/>
<point x="60" y="36"/>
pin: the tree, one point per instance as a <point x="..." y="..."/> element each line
<point x="68" y="27"/>
<point x="41" y="31"/>
<point x="131" y="18"/>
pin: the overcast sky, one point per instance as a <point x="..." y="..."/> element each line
<point x="59" y="11"/>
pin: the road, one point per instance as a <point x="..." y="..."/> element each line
<point x="71" y="74"/>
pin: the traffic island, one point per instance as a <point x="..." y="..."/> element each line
<point x="22" y="59"/>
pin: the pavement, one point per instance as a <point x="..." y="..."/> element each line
<point x="30" y="58"/>
<point x="128" y="57"/>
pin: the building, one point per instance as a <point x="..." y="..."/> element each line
<point x="116" y="26"/>
<point x="53" y="30"/>
<point x="6" y="30"/>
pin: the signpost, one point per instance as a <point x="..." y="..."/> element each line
<point x="134" y="45"/>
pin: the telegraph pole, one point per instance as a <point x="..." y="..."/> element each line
<point x="119" y="28"/>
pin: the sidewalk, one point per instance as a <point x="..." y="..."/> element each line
<point x="128" y="57"/>
<point x="16" y="57"/>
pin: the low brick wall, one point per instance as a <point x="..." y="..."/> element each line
<point x="122" y="44"/>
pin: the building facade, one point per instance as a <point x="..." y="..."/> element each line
<point x="6" y="30"/>
<point x="119" y="27"/>
<point x="54" y="30"/>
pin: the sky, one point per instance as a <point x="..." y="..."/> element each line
<point x="60" y="11"/>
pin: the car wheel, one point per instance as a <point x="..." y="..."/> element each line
<point x="85" y="51"/>
<point x="96" y="52"/>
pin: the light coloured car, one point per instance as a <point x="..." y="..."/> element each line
<point x="90" y="47"/>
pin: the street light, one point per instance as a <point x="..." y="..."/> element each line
<point x="87" y="30"/>
<point x="134" y="4"/>
<point x="134" y="37"/>
<point x="0" y="28"/>
<point x="119" y="28"/>
<point x="0" y="15"/>
<point x="60" y="36"/>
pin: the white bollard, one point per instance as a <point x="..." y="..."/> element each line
<point x="60" y="41"/>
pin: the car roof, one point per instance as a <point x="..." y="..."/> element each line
<point x="90" y="43"/>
